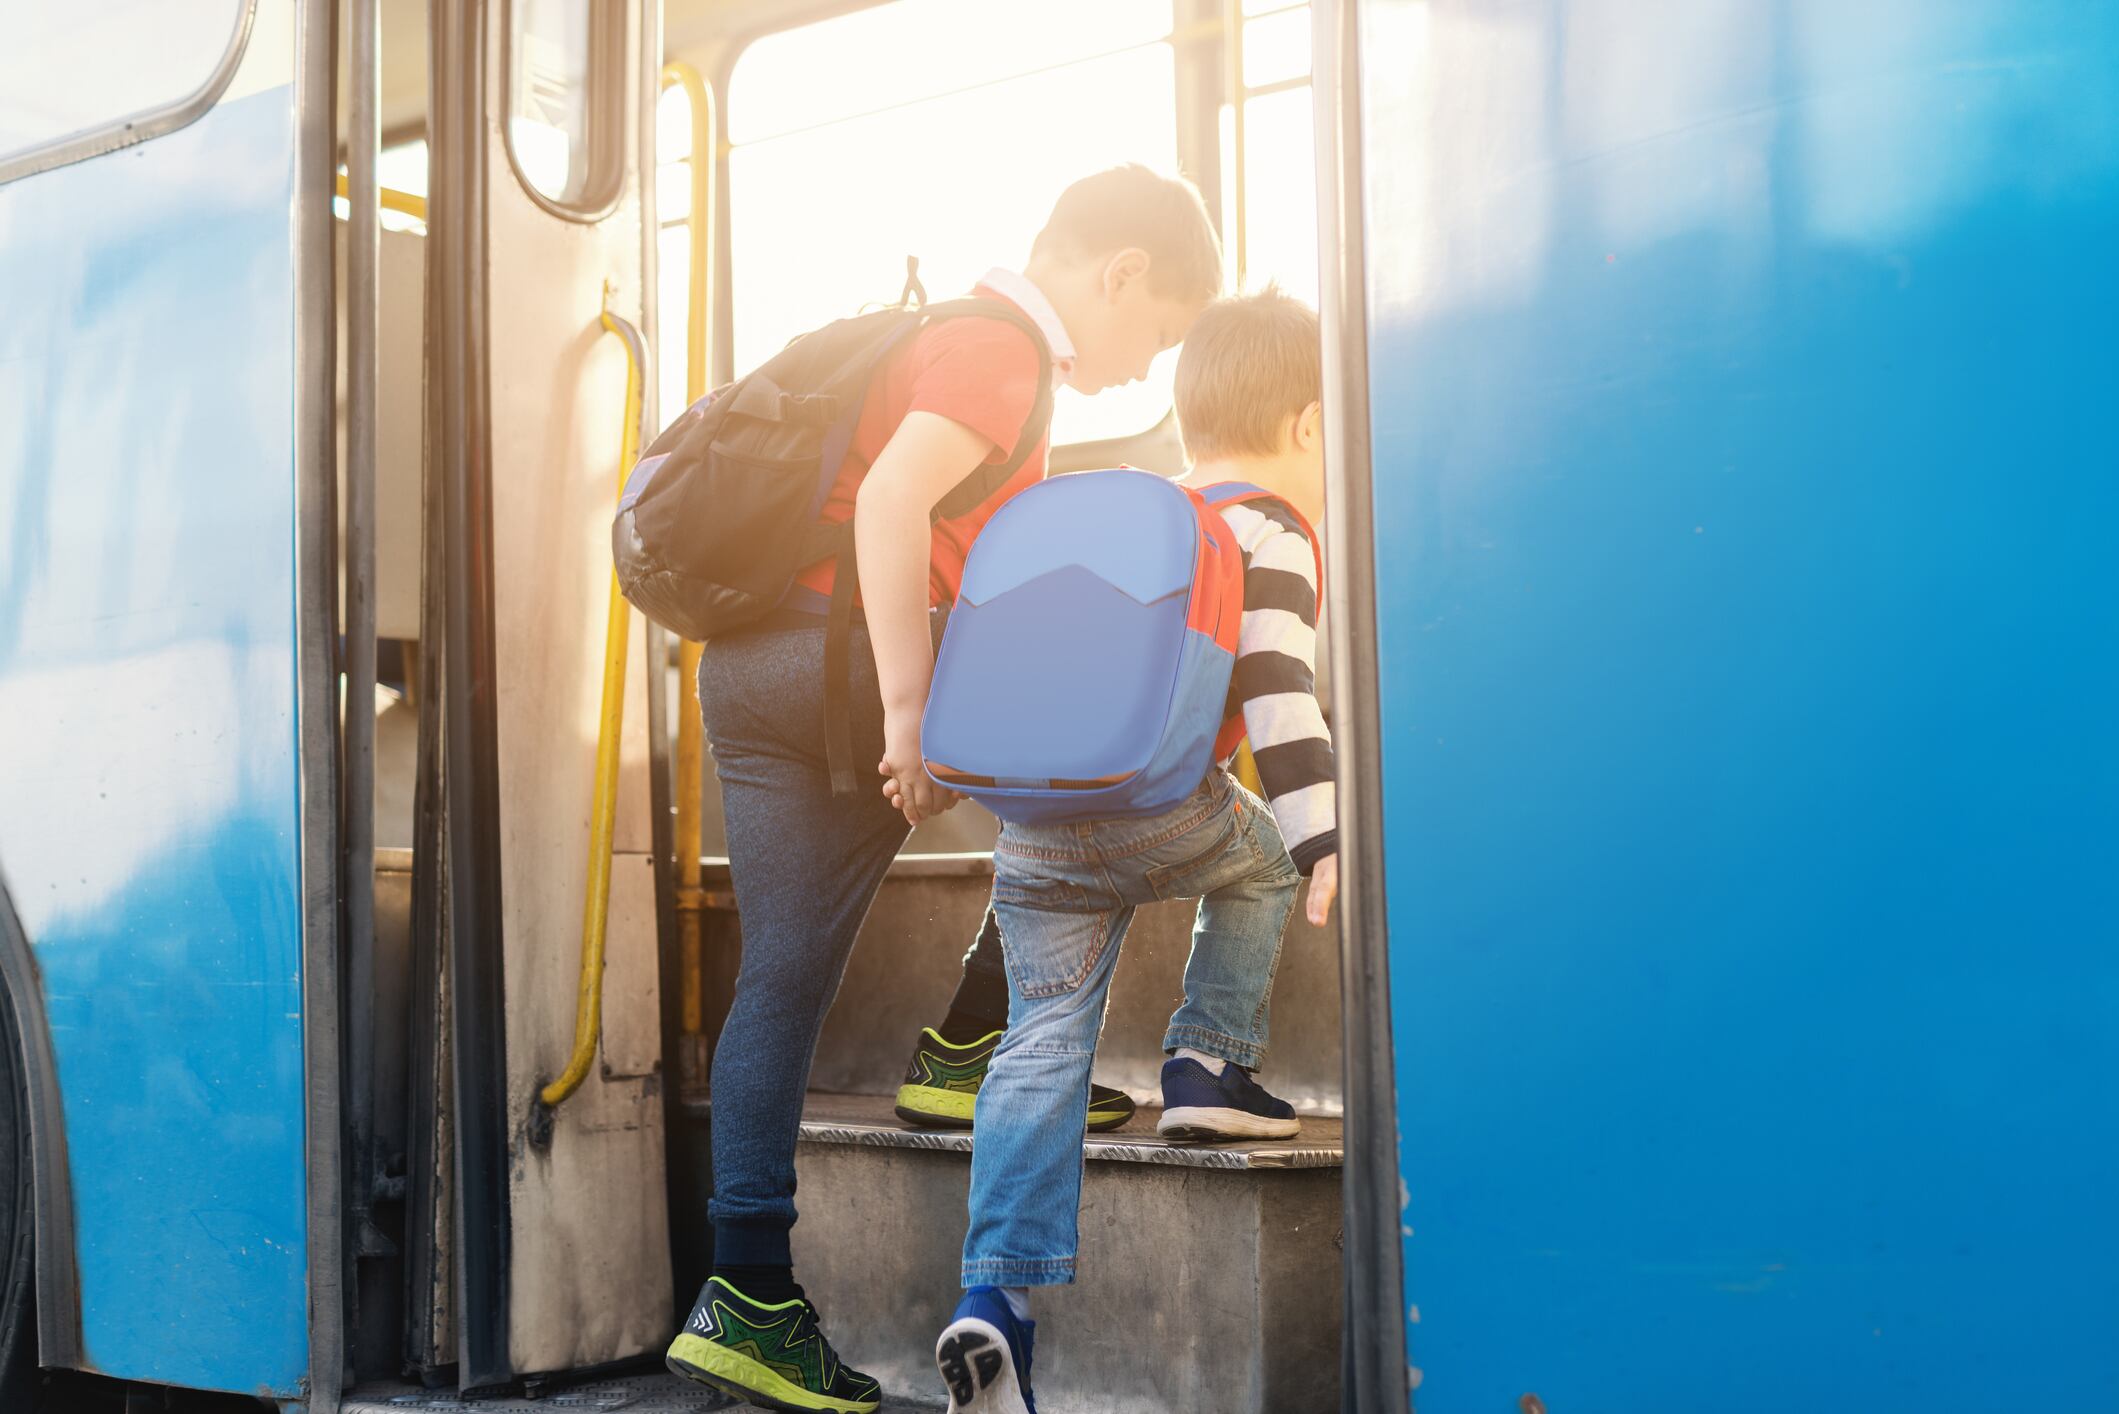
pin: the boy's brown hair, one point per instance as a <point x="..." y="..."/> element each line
<point x="1137" y="206"/>
<point x="1250" y="363"/>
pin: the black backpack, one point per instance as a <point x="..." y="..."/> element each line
<point x="724" y="508"/>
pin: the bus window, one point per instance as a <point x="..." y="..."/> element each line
<point x="404" y="167"/>
<point x="673" y="201"/>
<point x="401" y="171"/>
<point x="69" y="72"/>
<point x="949" y="130"/>
<point x="564" y="135"/>
<point x="1277" y="236"/>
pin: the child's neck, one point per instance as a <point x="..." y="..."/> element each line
<point x="1293" y="478"/>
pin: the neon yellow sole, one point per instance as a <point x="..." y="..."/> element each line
<point x="697" y="1358"/>
<point x="928" y="1103"/>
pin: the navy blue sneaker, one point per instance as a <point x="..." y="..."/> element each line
<point x="1201" y="1107"/>
<point x="984" y="1356"/>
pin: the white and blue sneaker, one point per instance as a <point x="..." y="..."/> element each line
<point x="984" y="1356"/>
<point x="1201" y="1107"/>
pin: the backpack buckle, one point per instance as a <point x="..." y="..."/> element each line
<point x="816" y="409"/>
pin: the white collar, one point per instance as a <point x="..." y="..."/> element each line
<point x="1019" y="291"/>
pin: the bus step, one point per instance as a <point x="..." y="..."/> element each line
<point x="1209" y="1275"/>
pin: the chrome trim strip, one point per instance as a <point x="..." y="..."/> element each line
<point x="363" y="257"/>
<point x="363" y="143"/>
<point x="316" y="674"/>
<point x="1374" y="1350"/>
<point x="138" y="127"/>
<point x="459" y="451"/>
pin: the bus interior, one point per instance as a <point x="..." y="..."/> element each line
<point x="948" y="127"/>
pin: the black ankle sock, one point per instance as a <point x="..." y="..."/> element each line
<point x="768" y="1285"/>
<point x="961" y="1027"/>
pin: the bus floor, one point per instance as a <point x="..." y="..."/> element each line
<point x="658" y="1393"/>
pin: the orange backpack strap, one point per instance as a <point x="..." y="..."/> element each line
<point x="1236" y="493"/>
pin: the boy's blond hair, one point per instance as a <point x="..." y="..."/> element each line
<point x="1135" y="206"/>
<point x="1250" y="364"/>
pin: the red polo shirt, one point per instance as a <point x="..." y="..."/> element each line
<point x="979" y="372"/>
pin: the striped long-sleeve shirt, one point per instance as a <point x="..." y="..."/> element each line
<point x="1275" y="683"/>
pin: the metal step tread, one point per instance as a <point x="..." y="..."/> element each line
<point x="656" y="1393"/>
<point x="871" y="1121"/>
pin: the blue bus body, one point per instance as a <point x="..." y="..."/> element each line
<point x="151" y="811"/>
<point x="1744" y="499"/>
<point x="1746" y="503"/>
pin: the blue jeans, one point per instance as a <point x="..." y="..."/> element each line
<point x="1064" y="896"/>
<point x="806" y="865"/>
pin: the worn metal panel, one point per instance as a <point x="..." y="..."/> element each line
<point x="1749" y="650"/>
<point x="587" y="1212"/>
<point x="1201" y="1289"/>
<point x="150" y="804"/>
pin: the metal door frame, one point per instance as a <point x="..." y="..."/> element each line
<point x="1373" y="1348"/>
<point x="460" y="457"/>
<point x="317" y="691"/>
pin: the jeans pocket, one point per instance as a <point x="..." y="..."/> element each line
<point x="1052" y="933"/>
<point x="1200" y="859"/>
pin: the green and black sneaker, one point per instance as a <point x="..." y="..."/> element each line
<point x="773" y="1356"/>
<point x="942" y="1085"/>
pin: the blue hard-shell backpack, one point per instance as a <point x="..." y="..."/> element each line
<point x="1084" y="673"/>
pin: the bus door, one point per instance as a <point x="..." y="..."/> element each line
<point x="167" y="698"/>
<point x="1738" y="383"/>
<point x="537" y="380"/>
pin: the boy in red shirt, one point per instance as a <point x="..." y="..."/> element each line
<point x="1125" y="263"/>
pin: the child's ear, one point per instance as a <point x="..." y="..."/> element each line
<point x="1127" y="267"/>
<point x="1308" y="430"/>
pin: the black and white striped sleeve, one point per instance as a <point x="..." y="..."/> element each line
<point x="1275" y="683"/>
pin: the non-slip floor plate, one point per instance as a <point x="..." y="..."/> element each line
<point x="634" y="1394"/>
<point x="869" y="1120"/>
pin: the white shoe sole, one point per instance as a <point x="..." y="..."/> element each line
<point x="1202" y="1123"/>
<point x="978" y="1368"/>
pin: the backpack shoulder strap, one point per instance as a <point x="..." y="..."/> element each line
<point x="989" y="477"/>
<point x="829" y="540"/>
<point x="1235" y="493"/>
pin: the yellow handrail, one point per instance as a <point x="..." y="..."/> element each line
<point x="691" y="746"/>
<point x="394" y="200"/>
<point x="603" y="819"/>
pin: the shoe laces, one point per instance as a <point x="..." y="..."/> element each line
<point x="811" y="1325"/>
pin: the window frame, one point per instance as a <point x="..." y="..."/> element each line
<point x="127" y="129"/>
<point x="605" y="108"/>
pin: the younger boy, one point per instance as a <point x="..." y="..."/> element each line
<point x="1248" y="386"/>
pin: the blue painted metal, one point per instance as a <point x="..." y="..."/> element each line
<point x="148" y="790"/>
<point x="1747" y="503"/>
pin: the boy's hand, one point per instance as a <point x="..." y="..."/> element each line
<point x="1324" y="887"/>
<point x="893" y="540"/>
<point x="906" y="784"/>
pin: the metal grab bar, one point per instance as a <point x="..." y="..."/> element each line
<point x="691" y="745"/>
<point x="603" y="819"/>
